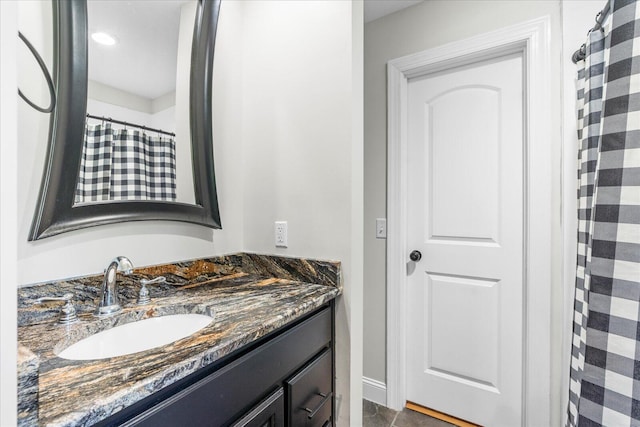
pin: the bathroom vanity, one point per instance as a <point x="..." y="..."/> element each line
<point x="266" y="359"/>
<point x="285" y="379"/>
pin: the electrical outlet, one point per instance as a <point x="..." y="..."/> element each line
<point x="381" y="228"/>
<point x="281" y="234"/>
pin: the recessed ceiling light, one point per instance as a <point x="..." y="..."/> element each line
<point x="103" y="38"/>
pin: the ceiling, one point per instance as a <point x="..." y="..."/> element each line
<point x="375" y="9"/>
<point x="143" y="61"/>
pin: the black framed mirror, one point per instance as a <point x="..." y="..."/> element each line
<point x="55" y="211"/>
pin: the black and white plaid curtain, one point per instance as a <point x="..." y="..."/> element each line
<point x="605" y="359"/>
<point x="121" y="164"/>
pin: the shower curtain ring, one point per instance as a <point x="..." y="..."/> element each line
<point x="599" y="19"/>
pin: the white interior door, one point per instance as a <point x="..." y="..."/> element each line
<point x="465" y="206"/>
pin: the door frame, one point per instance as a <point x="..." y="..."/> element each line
<point x="531" y="39"/>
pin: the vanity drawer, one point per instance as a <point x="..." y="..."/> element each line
<point x="310" y="393"/>
<point x="236" y="388"/>
<point x="269" y="413"/>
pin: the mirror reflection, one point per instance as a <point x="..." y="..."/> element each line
<point x="196" y="199"/>
<point x="137" y="142"/>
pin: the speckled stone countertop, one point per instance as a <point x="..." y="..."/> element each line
<point x="248" y="296"/>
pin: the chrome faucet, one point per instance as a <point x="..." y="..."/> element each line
<point x="109" y="295"/>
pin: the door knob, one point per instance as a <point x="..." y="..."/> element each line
<point x="415" y="256"/>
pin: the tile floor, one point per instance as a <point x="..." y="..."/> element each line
<point x="375" y="415"/>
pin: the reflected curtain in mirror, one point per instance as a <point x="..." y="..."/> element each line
<point x="122" y="164"/>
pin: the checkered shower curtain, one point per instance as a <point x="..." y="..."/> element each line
<point x="605" y="359"/>
<point x="120" y="164"/>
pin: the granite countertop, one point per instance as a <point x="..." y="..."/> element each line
<point x="248" y="296"/>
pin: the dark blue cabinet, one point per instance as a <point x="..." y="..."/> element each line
<point x="285" y="379"/>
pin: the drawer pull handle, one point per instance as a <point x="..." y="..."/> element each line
<point x="313" y="412"/>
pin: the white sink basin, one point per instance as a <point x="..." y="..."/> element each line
<point x="136" y="336"/>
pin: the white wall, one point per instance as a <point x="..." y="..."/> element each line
<point x="8" y="212"/>
<point x="301" y="154"/>
<point x="427" y="25"/>
<point x="104" y="109"/>
<point x="108" y="94"/>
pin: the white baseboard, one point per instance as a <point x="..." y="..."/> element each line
<point x="374" y="391"/>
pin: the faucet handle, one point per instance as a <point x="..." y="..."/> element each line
<point x="67" y="312"/>
<point x="143" y="296"/>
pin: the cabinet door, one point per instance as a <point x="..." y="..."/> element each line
<point x="269" y="413"/>
<point x="310" y="393"/>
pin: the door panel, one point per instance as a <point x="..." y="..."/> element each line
<point x="465" y="297"/>
<point x="450" y="217"/>
<point x="476" y="303"/>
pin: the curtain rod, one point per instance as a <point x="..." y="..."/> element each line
<point x="120" y="122"/>
<point x="579" y="54"/>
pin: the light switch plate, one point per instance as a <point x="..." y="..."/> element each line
<point x="381" y="228"/>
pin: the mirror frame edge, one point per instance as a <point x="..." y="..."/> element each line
<point x="55" y="213"/>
